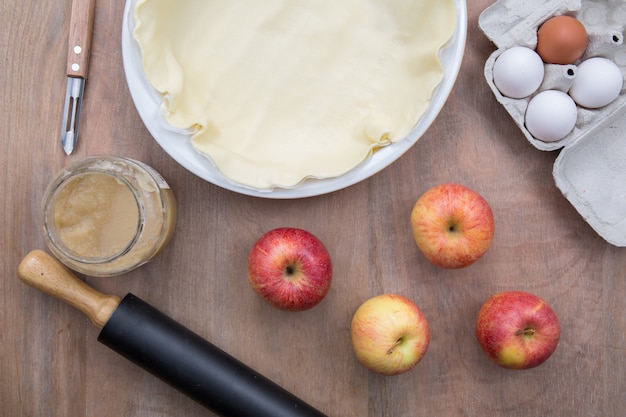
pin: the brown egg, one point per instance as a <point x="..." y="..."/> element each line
<point x="561" y="40"/>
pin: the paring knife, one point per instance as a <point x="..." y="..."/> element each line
<point x="79" y="48"/>
<point x="165" y="348"/>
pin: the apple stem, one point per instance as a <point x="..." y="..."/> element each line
<point x="398" y="342"/>
<point x="526" y="332"/>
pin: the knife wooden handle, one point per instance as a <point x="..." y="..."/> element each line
<point x="81" y="29"/>
<point x="43" y="272"/>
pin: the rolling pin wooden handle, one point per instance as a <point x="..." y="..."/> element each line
<point x="43" y="272"/>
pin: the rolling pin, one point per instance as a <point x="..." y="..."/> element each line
<point x="165" y="348"/>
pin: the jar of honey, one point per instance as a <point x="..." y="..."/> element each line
<point x="106" y="215"/>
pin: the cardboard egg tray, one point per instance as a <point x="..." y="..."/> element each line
<point x="590" y="170"/>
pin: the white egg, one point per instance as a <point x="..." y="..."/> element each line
<point x="598" y="82"/>
<point x="551" y="115"/>
<point x="518" y="72"/>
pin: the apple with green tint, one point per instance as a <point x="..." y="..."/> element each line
<point x="517" y="330"/>
<point x="452" y="225"/>
<point x="290" y="268"/>
<point x="390" y="334"/>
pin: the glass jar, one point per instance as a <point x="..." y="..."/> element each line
<point x="106" y="215"/>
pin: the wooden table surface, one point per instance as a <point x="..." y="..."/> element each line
<point x="52" y="365"/>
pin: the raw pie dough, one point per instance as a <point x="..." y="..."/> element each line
<point x="277" y="91"/>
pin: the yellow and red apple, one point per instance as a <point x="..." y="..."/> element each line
<point x="517" y="329"/>
<point x="390" y="334"/>
<point x="453" y="225"/>
<point x="290" y="268"/>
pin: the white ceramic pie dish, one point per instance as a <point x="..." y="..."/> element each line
<point x="178" y="146"/>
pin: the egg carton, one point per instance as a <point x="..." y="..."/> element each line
<point x="590" y="170"/>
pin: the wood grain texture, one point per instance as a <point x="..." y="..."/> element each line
<point x="52" y="364"/>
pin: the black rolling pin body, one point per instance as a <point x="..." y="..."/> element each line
<point x="192" y="365"/>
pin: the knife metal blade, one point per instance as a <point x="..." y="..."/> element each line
<point x="79" y="48"/>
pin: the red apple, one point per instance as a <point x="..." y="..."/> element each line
<point x="290" y="268"/>
<point x="453" y="226"/>
<point x="517" y="330"/>
<point x="390" y="334"/>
